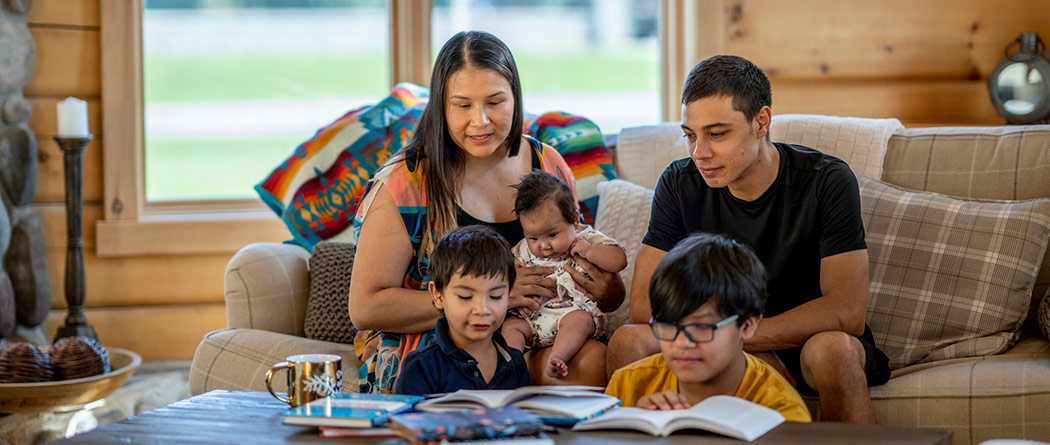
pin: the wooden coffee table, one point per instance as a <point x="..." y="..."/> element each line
<point x="224" y="417"/>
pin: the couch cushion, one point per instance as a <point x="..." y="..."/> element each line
<point x="1010" y="162"/>
<point x="266" y="287"/>
<point x="860" y="142"/>
<point x="237" y="360"/>
<point x="643" y="153"/>
<point x="623" y="215"/>
<point x="327" y="311"/>
<point x="978" y="399"/>
<point x="949" y="278"/>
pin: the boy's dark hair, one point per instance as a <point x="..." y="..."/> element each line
<point x="704" y="266"/>
<point x="472" y="251"/>
<point x="539" y="186"/>
<point x="731" y="76"/>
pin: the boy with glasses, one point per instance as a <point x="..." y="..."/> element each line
<point x="707" y="297"/>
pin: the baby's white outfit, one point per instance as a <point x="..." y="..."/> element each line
<point x="545" y="320"/>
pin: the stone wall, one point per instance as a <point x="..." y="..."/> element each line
<point x="25" y="287"/>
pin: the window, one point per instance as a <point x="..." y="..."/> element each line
<point x="594" y="58"/>
<point x="148" y="214"/>
<point x="231" y="87"/>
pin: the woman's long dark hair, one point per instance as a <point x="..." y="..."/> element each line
<point x="433" y="147"/>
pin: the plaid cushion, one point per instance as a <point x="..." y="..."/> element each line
<point x="1008" y="162"/>
<point x="949" y="278"/>
<point x="327" y="313"/>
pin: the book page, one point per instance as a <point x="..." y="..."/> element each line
<point x="581" y="407"/>
<point x="493" y="398"/>
<point x="733" y="417"/>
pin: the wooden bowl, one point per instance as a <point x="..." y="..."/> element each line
<point x="47" y="396"/>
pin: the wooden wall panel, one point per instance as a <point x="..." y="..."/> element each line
<point x="892" y="39"/>
<point x="54" y="217"/>
<point x="154" y="332"/>
<point x="67" y="63"/>
<point x="64" y="12"/>
<point x="148" y="280"/>
<point x="50" y="171"/>
<point x="914" y="103"/>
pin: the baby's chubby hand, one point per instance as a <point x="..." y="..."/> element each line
<point x="579" y="247"/>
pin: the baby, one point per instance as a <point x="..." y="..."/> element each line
<point x="549" y="217"/>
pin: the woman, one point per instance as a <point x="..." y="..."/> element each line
<point x="466" y="153"/>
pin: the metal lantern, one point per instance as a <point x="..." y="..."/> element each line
<point x="1020" y="85"/>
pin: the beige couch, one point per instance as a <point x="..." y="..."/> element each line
<point x="1004" y="394"/>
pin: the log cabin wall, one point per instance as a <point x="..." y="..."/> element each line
<point x="925" y="63"/>
<point x="158" y="306"/>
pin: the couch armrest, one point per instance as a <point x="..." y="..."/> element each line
<point x="237" y="360"/>
<point x="266" y="287"/>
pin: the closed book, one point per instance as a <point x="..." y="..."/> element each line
<point x="726" y="415"/>
<point x="465" y="425"/>
<point x="350" y="410"/>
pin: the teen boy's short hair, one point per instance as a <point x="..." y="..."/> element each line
<point x="539" y="186"/>
<point x="704" y="266"/>
<point x="731" y="76"/>
<point x="472" y="251"/>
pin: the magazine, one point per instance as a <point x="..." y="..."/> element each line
<point x="726" y="415"/>
<point x="466" y="425"/>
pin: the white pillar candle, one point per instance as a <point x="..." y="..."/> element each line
<point x="72" y="118"/>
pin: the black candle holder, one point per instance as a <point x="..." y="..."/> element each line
<point x="73" y="157"/>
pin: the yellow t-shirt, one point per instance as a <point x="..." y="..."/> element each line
<point x="761" y="384"/>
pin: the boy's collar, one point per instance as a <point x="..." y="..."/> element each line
<point x="448" y="347"/>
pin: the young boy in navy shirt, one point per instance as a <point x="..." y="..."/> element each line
<point x="471" y="273"/>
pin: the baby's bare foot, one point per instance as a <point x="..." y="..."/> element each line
<point x="556" y="368"/>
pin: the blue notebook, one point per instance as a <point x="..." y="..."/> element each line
<point x="350" y="410"/>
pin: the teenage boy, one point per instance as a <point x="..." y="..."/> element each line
<point x="707" y="297"/>
<point x="798" y="209"/>
<point x="471" y="273"/>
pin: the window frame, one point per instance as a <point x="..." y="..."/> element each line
<point x="133" y="227"/>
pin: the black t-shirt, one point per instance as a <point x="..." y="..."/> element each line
<point x="811" y="211"/>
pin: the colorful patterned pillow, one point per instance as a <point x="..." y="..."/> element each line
<point x="316" y="190"/>
<point x="580" y="142"/>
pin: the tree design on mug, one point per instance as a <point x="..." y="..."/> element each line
<point x="322" y="383"/>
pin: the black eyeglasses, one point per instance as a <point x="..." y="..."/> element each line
<point x="696" y="332"/>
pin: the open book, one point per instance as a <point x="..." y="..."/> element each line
<point x="726" y="415"/>
<point x="573" y="402"/>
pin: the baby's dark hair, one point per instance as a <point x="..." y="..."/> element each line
<point x="704" y="266"/>
<point x="539" y="186"/>
<point x="473" y="251"/>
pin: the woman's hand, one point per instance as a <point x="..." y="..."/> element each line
<point x="666" y="400"/>
<point x="531" y="286"/>
<point x="605" y="288"/>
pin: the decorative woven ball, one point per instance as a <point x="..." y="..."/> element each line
<point x="22" y="362"/>
<point x="76" y="357"/>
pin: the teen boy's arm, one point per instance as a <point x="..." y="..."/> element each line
<point x="844" y="283"/>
